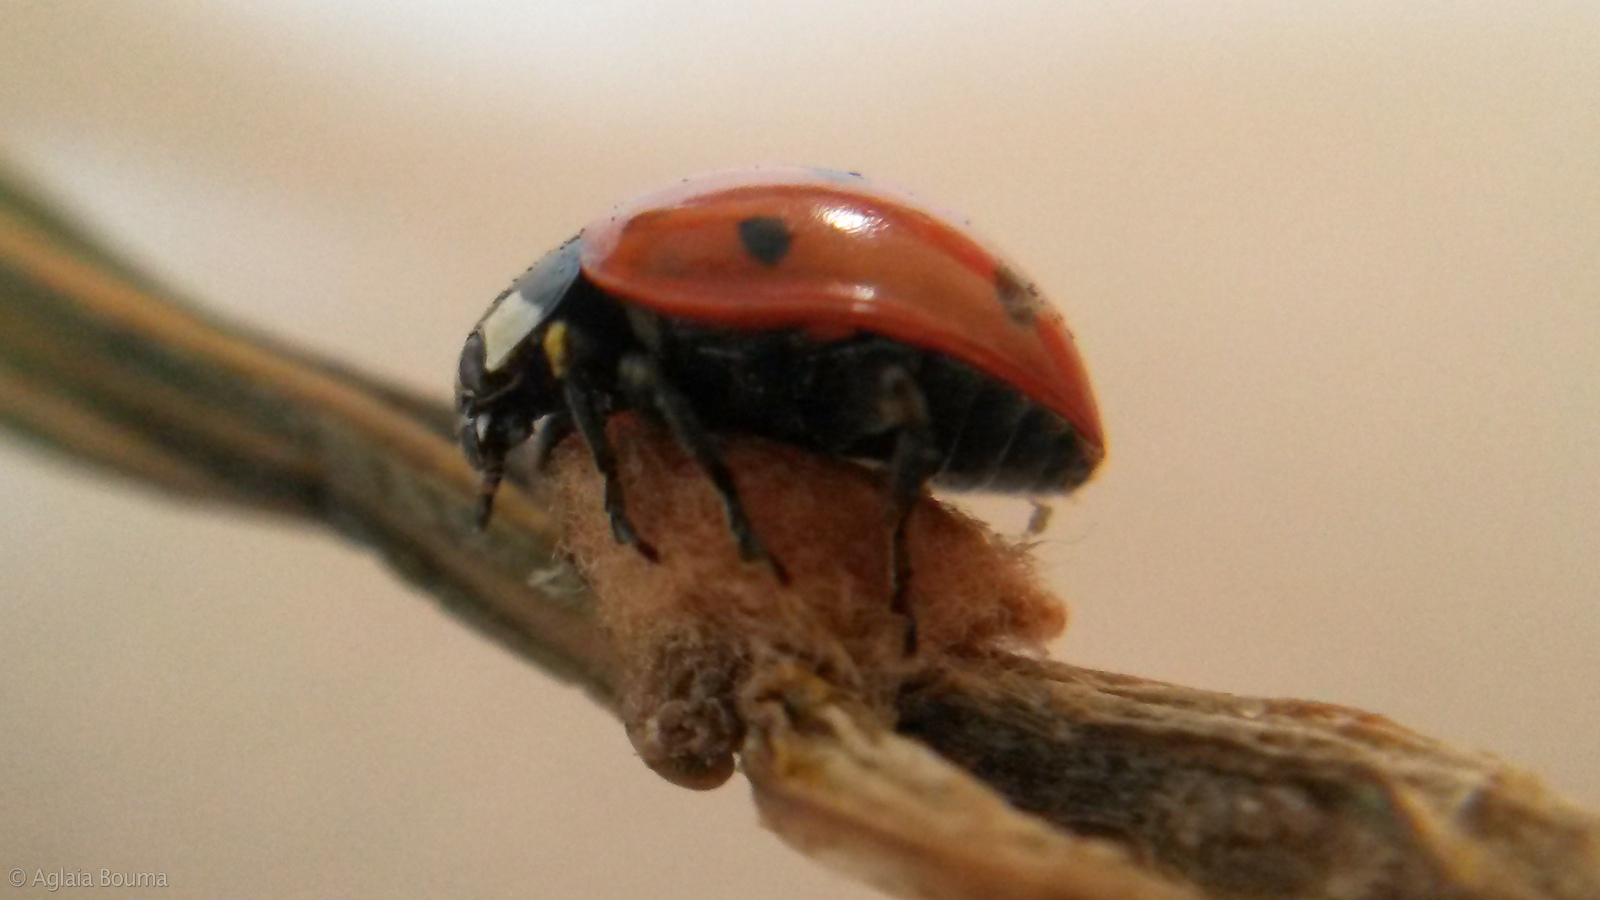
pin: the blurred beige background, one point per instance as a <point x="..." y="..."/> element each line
<point x="1335" y="268"/>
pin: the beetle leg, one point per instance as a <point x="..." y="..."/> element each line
<point x="552" y="430"/>
<point x="587" y="407"/>
<point x="488" y="483"/>
<point x="487" y="462"/>
<point x="484" y="439"/>
<point x="915" y="459"/>
<point x="642" y="377"/>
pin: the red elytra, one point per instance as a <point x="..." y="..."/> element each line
<point x="859" y="256"/>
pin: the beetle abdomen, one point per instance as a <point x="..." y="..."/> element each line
<point x="825" y="396"/>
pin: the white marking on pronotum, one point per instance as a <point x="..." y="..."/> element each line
<point x="505" y="327"/>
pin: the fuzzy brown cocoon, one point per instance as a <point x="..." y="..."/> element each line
<point x="690" y="629"/>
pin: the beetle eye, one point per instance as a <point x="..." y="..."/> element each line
<point x="469" y="373"/>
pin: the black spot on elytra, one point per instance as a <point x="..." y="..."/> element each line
<point x="765" y="237"/>
<point x="1019" y="298"/>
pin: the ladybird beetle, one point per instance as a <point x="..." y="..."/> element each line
<point x="809" y="306"/>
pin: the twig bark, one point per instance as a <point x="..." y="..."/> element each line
<point x="980" y="775"/>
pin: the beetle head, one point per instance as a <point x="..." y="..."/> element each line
<point x="496" y="408"/>
<point x="504" y="383"/>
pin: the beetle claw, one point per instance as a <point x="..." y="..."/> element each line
<point x="623" y="531"/>
<point x="752" y="550"/>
